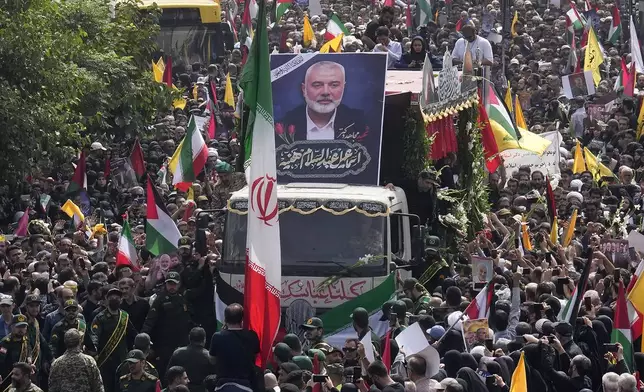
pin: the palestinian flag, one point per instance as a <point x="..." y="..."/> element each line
<point x="507" y="136"/>
<point x="576" y="19"/>
<point x="425" y="8"/>
<point x="622" y="327"/>
<point x="337" y="321"/>
<point x="570" y="311"/>
<point x="21" y="230"/>
<point x="281" y="6"/>
<point x="480" y="307"/>
<point x="127" y="251"/>
<point x="335" y="27"/>
<point x="490" y="149"/>
<point x="79" y="180"/>
<point x="570" y="32"/>
<point x="225" y="295"/>
<point x="626" y="79"/>
<point x="615" y="32"/>
<point x="189" y="158"/>
<point x="161" y="233"/>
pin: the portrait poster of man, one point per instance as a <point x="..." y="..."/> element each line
<point x="482" y="270"/>
<point x="475" y="332"/>
<point x="328" y="111"/>
<point x="578" y="84"/>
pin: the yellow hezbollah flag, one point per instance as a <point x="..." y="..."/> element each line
<point x="570" y="231"/>
<point x="158" y="73"/>
<point x="598" y="169"/>
<point x="554" y="232"/>
<point x="594" y="56"/>
<point x="636" y="295"/>
<point x="191" y="194"/>
<point x="161" y="64"/>
<point x="518" y="114"/>
<point x="513" y="29"/>
<point x="578" y="166"/>
<point x="307" y="33"/>
<point x="529" y="141"/>
<point x="74" y="212"/>
<point x="333" y="46"/>
<point x="519" y="377"/>
<point x="508" y="97"/>
<point x="525" y="237"/>
<point x="640" y="129"/>
<point x="229" y="97"/>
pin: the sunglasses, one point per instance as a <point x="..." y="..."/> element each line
<point x="349" y="349"/>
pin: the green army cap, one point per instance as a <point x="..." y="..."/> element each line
<point x="303" y="362"/>
<point x="360" y="316"/>
<point x="314" y="351"/>
<point x="223" y="167"/>
<point x="410" y="283"/>
<point x="185" y="242"/>
<point x="293" y="342"/>
<point x="173" y="276"/>
<point x="282" y="351"/>
<point x="19" y="320"/>
<point x="386" y="310"/>
<point x="70" y="303"/>
<point x="312" y="323"/>
<point x="135" y="356"/>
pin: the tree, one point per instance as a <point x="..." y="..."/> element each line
<point x="72" y="72"/>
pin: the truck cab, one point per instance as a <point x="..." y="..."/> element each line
<point x="352" y="235"/>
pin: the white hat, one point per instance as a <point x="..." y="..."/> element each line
<point x="97" y="146"/>
<point x="212" y="152"/>
<point x="451" y="319"/>
<point x="6" y="300"/>
<point x="576" y="184"/>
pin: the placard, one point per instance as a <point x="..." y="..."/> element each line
<point x="328" y="111"/>
<point x="578" y="84"/>
<point x="547" y="163"/>
<point x="475" y="332"/>
<point x="482" y="270"/>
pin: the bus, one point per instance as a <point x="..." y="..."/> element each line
<point x="191" y="31"/>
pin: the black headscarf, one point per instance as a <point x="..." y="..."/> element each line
<point x="474" y="382"/>
<point x="415" y="56"/>
<point x="505" y="363"/>
<point x="467" y="360"/>
<point x="608" y="323"/>
<point x="452" y="361"/>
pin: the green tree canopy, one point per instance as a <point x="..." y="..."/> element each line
<point x="71" y="72"/>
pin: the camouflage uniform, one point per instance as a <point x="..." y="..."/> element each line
<point x="221" y="192"/>
<point x="422" y="303"/>
<point x="74" y="372"/>
<point x="32" y="388"/>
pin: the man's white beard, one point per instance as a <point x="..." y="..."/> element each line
<point x="322" y="107"/>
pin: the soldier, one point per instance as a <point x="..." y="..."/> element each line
<point x="21" y="378"/>
<point x="109" y="331"/>
<point x="138" y="380"/>
<point x="71" y="320"/>
<point x="41" y="354"/>
<point x="396" y="313"/>
<point x="14" y="348"/>
<point x="418" y="294"/>
<point x="86" y="376"/>
<point x="360" y="317"/>
<point x="141" y="342"/>
<point x="314" y="331"/>
<point x="168" y="321"/>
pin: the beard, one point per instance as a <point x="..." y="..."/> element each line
<point x="322" y="107"/>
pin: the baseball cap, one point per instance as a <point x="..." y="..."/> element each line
<point x="436" y="332"/>
<point x="399" y="308"/>
<point x="6" y="300"/>
<point x="386" y="310"/>
<point x="71" y="303"/>
<point x="135" y="356"/>
<point x="114" y="291"/>
<point x="563" y="328"/>
<point x="312" y="323"/>
<point x="32" y="298"/>
<point x="97" y="146"/>
<point x="185" y="242"/>
<point x="360" y="316"/>
<point x="410" y="283"/>
<point x="173" y="276"/>
<point x="19" y="320"/>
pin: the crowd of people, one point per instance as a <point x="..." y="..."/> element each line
<point x="72" y="320"/>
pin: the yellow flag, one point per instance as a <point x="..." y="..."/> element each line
<point x="519" y="377"/>
<point x="191" y="194"/>
<point x="158" y="72"/>
<point x="161" y="64"/>
<point x="640" y="130"/>
<point x="554" y="232"/>
<point x="195" y="92"/>
<point x="570" y="231"/>
<point x="518" y="114"/>
<point x="508" y="98"/>
<point x="179" y="103"/>
<point x="97" y="230"/>
<point x="598" y="169"/>
<point x="525" y="236"/>
<point x="307" y="33"/>
<point x="333" y="46"/>
<point x="529" y="141"/>
<point x="74" y="212"/>
<point x="514" y="22"/>
<point x="636" y="295"/>
<point x="578" y="166"/>
<point x="229" y="97"/>
<point x="594" y="56"/>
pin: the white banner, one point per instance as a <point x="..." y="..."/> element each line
<point x="548" y="163"/>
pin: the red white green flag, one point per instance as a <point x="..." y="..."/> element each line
<point x="127" y="251"/>
<point x="615" y="32"/>
<point x="334" y="27"/>
<point x="281" y="6"/>
<point x="161" y="233"/>
<point x="576" y="19"/>
<point x="622" y="327"/>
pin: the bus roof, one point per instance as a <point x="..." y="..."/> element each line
<point x="210" y="10"/>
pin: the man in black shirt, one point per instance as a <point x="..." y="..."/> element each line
<point x="386" y="18"/>
<point x="235" y="350"/>
<point x="421" y="196"/>
<point x="379" y="376"/>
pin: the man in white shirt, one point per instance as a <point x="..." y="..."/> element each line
<point x="480" y="48"/>
<point x="392" y="48"/>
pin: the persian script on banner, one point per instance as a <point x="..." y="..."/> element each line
<point x="328" y="111"/>
<point x="548" y="163"/>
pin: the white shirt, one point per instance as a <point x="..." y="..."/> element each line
<point x="313" y="132"/>
<point x="394" y="53"/>
<point x="480" y="45"/>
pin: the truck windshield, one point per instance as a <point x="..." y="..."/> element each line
<point x="187" y="44"/>
<point x="317" y="244"/>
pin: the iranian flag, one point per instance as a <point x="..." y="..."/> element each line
<point x="263" y="273"/>
<point x="189" y="158"/>
<point x="281" y="6"/>
<point x="127" y="251"/>
<point x="576" y="19"/>
<point x="615" y="32"/>
<point x="480" y="307"/>
<point x="161" y="233"/>
<point x="622" y="327"/>
<point x="335" y="27"/>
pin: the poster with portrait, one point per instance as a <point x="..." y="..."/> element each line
<point x="578" y="84"/>
<point x="475" y="332"/>
<point x="482" y="270"/>
<point x="328" y="111"/>
<point x="618" y="251"/>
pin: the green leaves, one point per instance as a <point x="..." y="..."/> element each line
<point x="71" y="74"/>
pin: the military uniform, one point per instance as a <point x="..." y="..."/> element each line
<point x="32" y="388"/>
<point x="123" y="370"/>
<point x="147" y="383"/>
<point x="57" y="341"/>
<point x="108" y="334"/>
<point x="422" y="304"/>
<point x="221" y="192"/>
<point x="14" y="349"/>
<point x="312" y="324"/>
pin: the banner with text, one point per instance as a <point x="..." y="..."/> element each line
<point x="548" y="163"/>
<point x="328" y="111"/>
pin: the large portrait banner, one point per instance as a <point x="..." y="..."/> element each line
<point x="328" y="111"/>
